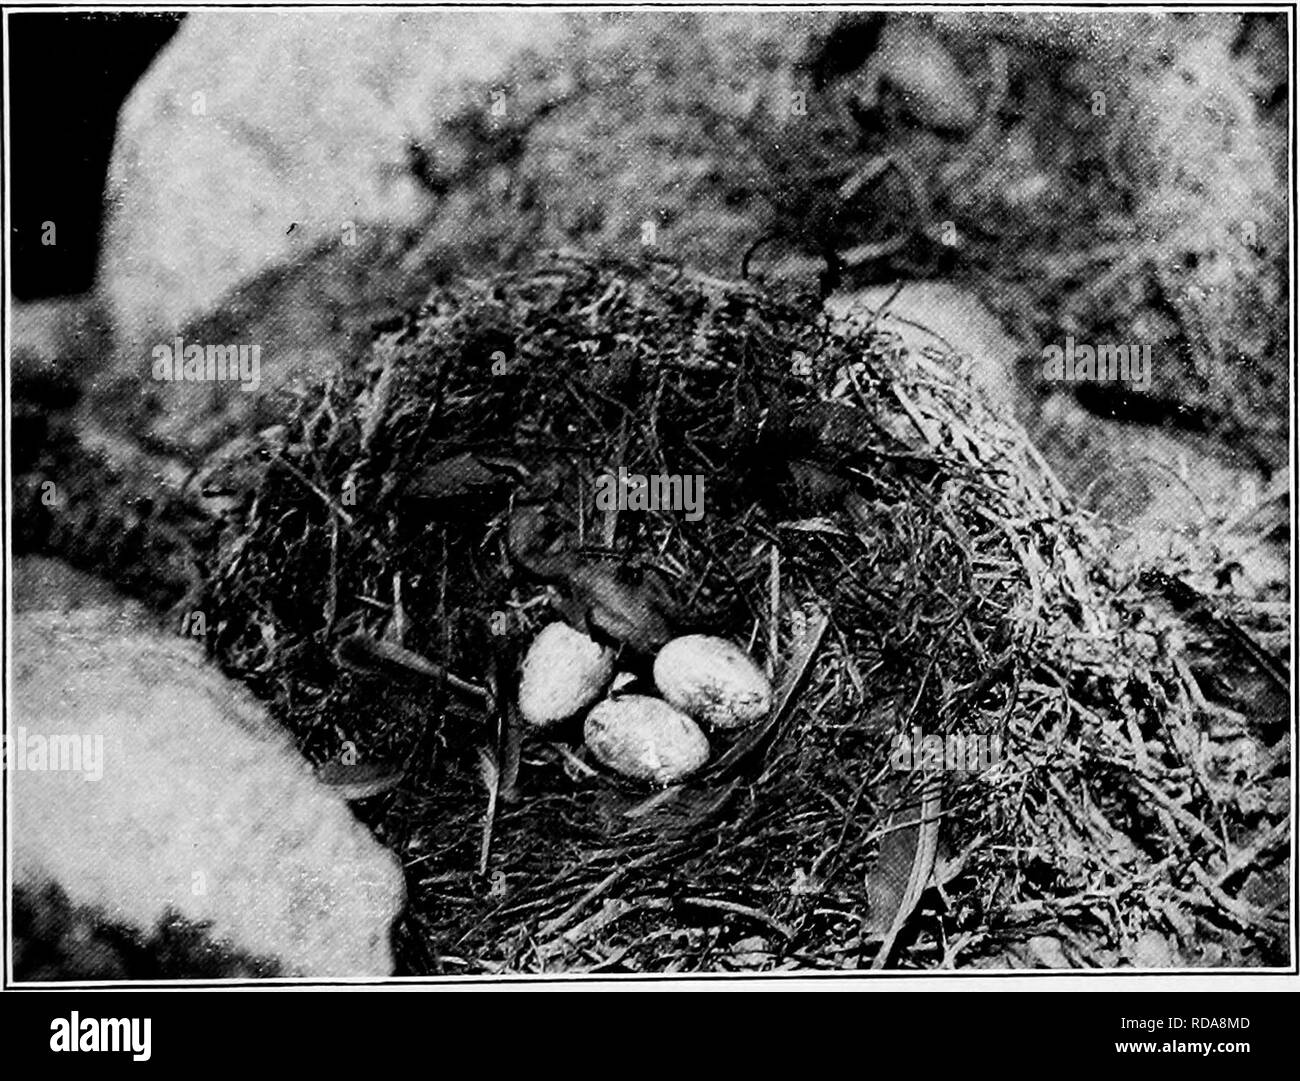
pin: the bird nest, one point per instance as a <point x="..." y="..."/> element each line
<point x="893" y="553"/>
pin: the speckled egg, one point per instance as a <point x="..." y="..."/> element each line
<point x="645" y="738"/>
<point x="713" y="680"/>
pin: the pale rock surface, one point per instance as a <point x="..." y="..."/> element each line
<point x="251" y="122"/>
<point x="58" y="339"/>
<point x="202" y="806"/>
<point x="1153" y="486"/>
<point x="942" y="315"/>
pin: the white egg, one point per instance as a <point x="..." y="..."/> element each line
<point x="713" y="680"/>
<point x="645" y="738"/>
<point x="563" y="672"/>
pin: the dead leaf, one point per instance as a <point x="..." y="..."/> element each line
<point x="360" y="780"/>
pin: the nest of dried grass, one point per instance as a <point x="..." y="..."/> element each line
<point x="895" y="553"/>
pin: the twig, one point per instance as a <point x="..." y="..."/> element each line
<point x="376" y="407"/>
<point x="741" y="910"/>
<point x="1189" y="821"/>
<point x="492" y="780"/>
<point x="362" y="653"/>
<point x="611" y="911"/>
<point x="509" y="728"/>
<point x="609" y="524"/>
<point x="1246" y="858"/>
<point x="325" y="498"/>
<point x="660" y="798"/>
<point x="774" y="605"/>
<point x="1245" y="915"/>
<point x="1186" y="597"/>
<point x="553" y="927"/>
<point x="873" y="170"/>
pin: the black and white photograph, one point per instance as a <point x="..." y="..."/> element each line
<point x="666" y="495"/>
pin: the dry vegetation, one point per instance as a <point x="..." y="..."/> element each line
<point x="894" y="552"/>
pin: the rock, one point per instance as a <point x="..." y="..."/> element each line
<point x="55" y="339"/>
<point x="941" y="315"/>
<point x="911" y="61"/>
<point x="257" y="136"/>
<point x="1161" y="488"/>
<point x="178" y="794"/>
<point x="1100" y="35"/>
<point x="50" y="585"/>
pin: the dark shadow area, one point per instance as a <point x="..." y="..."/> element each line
<point x="68" y="77"/>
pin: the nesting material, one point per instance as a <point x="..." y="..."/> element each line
<point x="966" y="599"/>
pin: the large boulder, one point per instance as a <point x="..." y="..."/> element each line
<point x="256" y="136"/>
<point x="148" y="786"/>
